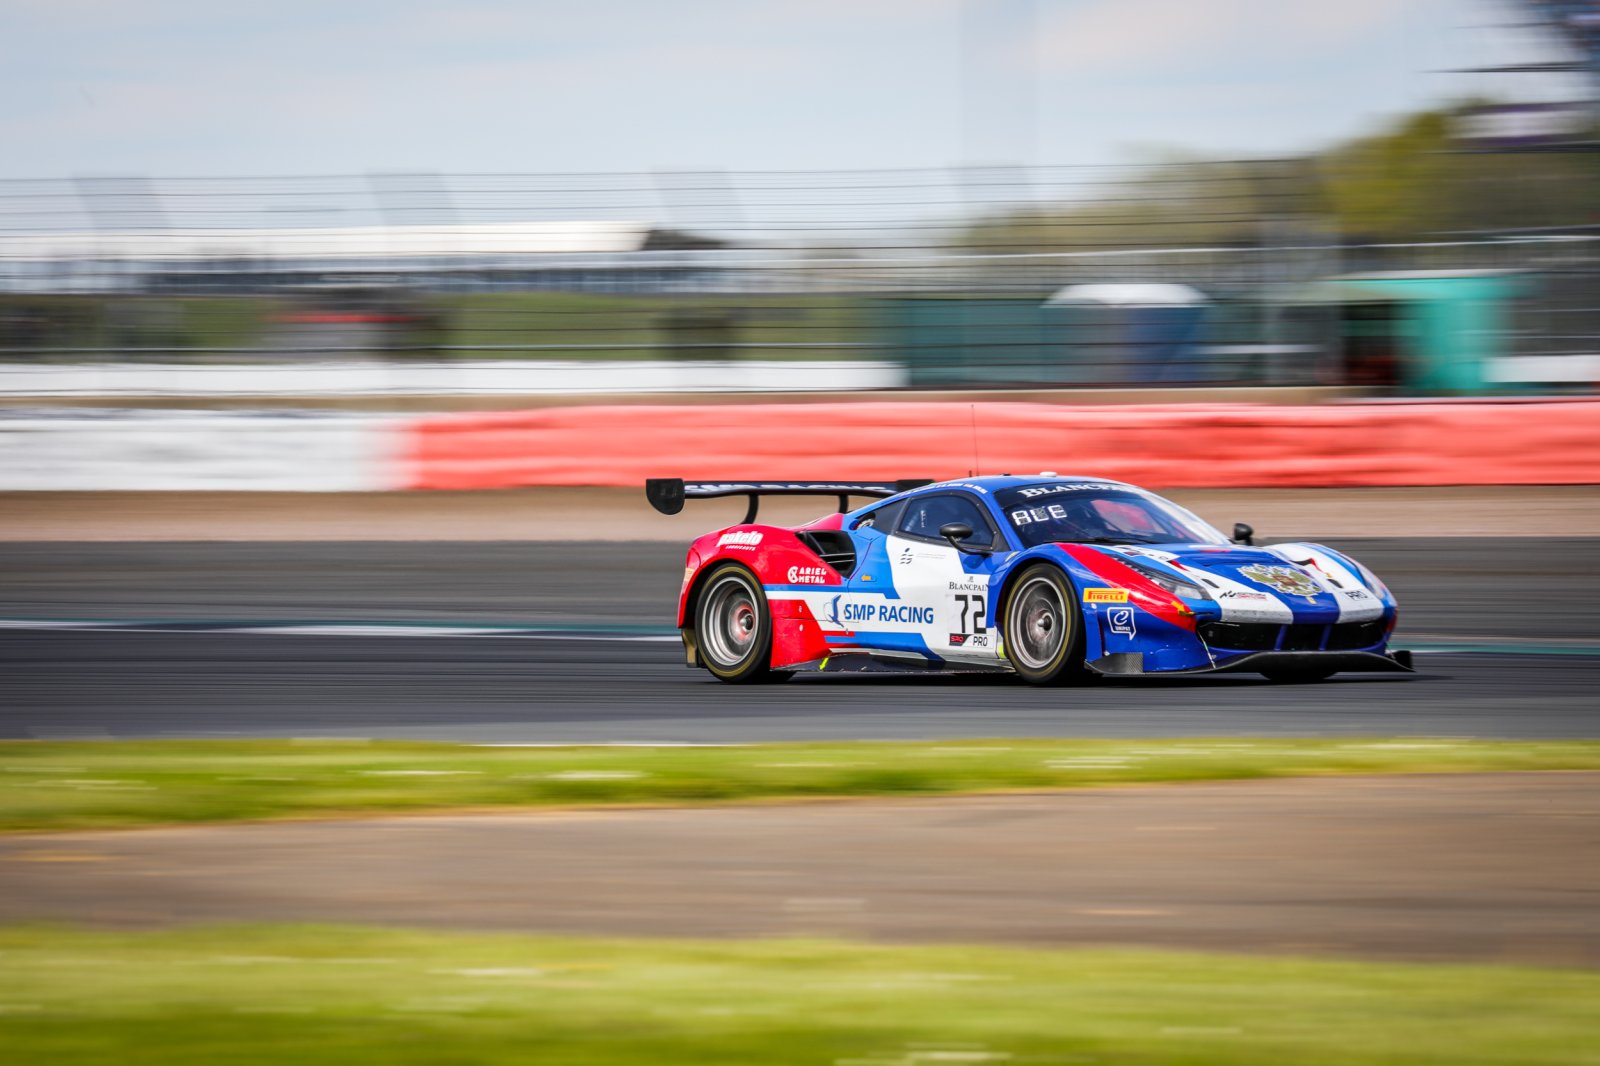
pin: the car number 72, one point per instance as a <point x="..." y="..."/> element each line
<point x="972" y="604"/>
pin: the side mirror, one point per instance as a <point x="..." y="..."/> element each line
<point x="955" y="533"/>
<point x="1243" y="534"/>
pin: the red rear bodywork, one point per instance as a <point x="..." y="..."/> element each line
<point x="778" y="558"/>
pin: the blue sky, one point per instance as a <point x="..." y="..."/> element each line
<point x="176" y="87"/>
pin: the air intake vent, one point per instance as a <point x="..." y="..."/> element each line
<point x="1241" y="636"/>
<point x="833" y="547"/>
<point x="1303" y="636"/>
<point x="1350" y="636"/>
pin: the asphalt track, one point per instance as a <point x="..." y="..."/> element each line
<point x="546" y="642"/>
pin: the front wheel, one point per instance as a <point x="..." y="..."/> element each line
<point x="1043" y="627"/>
<point x="733" y="626"/>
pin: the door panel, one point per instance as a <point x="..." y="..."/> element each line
<point x="915" y="593"/>
<point x="952" y="589"/>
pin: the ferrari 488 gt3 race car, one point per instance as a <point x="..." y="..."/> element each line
<point x="1053" y="578"/>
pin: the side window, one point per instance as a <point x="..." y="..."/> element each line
<point x="925" y="514"/>
<point x="883" y="519"/>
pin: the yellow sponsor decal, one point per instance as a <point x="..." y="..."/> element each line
<point x="1105" y="595"/>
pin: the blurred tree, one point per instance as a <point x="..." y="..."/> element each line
<point x="1411" y="179"/>
<point x="1393" y="184"/>
<point x="1418" y="178"/>
<point x="1175" y="202"/>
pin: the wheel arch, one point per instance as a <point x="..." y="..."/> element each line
<point x="758" y="665"/>
<point x="1076" y="577"/>
<point x="691" y="602"/>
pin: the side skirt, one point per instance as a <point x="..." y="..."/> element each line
<point x="863" y="662"/>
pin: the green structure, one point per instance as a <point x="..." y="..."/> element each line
<point x="1416" y="332"/>
<point x="1421" y="331"/>
<point x="1084" y="335"/>
<point x="953" y="341"/>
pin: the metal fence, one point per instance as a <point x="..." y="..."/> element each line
<point x="1186" y="273"/>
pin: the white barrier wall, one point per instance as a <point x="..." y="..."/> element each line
<point x="376" y="378"/>
<point x="168" y="451"/>
<point x="1548" y="442"/>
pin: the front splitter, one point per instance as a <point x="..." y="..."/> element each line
<point x="1131" y="663"/>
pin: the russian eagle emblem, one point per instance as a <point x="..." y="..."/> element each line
<point x="1286" y="579"/>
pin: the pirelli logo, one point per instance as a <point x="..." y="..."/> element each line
<point x="1105" y="595"/>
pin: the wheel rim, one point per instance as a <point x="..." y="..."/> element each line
<point x="731" y="621"/>
<point x="1039" y="623"/>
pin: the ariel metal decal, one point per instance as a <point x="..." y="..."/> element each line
<point x="1286" y="579"/>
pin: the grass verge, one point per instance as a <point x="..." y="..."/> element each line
<point x="308" y="995"/>
<point x="76" y="785"/>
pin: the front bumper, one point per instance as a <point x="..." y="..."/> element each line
<point x="1131" y="663"/>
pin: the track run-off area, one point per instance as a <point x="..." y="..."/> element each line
<point x="552" y="642"/>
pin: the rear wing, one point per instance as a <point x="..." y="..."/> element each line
<point x="667" y="494"/>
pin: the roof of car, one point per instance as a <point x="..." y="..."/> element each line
<point x="997" y="482"/>
<point x="989" y="483"/>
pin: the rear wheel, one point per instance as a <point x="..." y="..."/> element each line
<point x="733" y="626"/>
<point x="1043" y="627"/>
<point x="1299" y="675"/>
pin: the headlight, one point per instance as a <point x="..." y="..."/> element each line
<point x="1175" y="585"/>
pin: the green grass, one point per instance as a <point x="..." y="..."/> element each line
<point x="656" y="327"/>
<point x="204" y="322"/>
<point x="504" y="325"/>
<point x="309" y="995"/>
<point x="68" y="785"/>
<point x="223" y="321"/>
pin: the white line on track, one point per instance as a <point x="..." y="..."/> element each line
<point x="1430" y="647"/>
<point x="334" y="629"/>
<point x="24" y="623"/>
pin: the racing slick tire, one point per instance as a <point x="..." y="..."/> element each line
<point x="733" y="627"/>
<point x="1043" y="627"/>
<point x="1299" y="676"/>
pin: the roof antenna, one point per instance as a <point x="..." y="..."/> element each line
<point x="976" y="465"/>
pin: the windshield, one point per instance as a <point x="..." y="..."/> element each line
<point x="1089" y="512"/>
